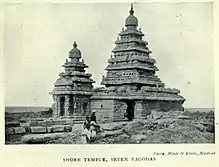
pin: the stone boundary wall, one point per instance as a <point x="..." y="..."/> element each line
<point x="37" y="126"/>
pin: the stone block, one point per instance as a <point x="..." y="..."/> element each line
<point x="42" y="123"/>
<point x="38" y="129"/>
<point x="12" y="124"/>
<point x="49" y="129"/>
<point x="69" y="121"/>
<point x="200" y="127"/>
<point x="33" y="123"/>
<point x="25" y="124"/>
<point x="60" y="122"/>
<point x="9" y="131"/>
<point x="19" y="130"/>
<point x="58" y="128"/>
<point x="49" y="122"/>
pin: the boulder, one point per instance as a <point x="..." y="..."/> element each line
<point x="200" y="127"/>
<point x="156" y="115"/>
<point x="210" y="128"/>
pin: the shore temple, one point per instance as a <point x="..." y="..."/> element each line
<point x="131" y="85"/>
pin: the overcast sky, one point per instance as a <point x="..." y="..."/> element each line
<point x="38" y="38"/>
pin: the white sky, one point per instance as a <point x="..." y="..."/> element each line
<point x="38" y="37"/>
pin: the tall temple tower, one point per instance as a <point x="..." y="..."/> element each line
<point x="73" y="88"/>
<point x="131" y="86"/>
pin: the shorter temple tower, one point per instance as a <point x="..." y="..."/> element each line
<point x="73" y="88"/>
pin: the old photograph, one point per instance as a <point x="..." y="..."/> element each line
<point x="109" y="73"/>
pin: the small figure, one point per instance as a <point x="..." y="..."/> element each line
<point x="87" y="123"/>
<point x="85" y="136"/>
<point x="93" y="133"/>
<point x="93" y="117"/>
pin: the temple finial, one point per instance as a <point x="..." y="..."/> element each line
<point x="75" y="44"/>
<point x="131" y="11"/>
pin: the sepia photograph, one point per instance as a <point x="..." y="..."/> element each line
<point x="109" y="73"/>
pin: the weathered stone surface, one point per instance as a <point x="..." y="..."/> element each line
<point x="113" y="133"/>
<point x="42" y="123"/>
<point x="42" y="138"/>
<point x="60" y="122"/>
<point x="210" y="128"/>
<point x="156" y="115"/>
<point x="138" y="137"/>
<point x="113" y="126"/>
<point x="19" y="130"/>
<point x="58" y="128"/>
<point x="183" y="117"/>
<point x="12" y="124"/>
<point x="9" y="131"/>
<point x="68" y="128"/>
<point x="25" y="124"/>
<point x="49" y="122"/>
<point x="38" y="129"/>
<point x="33" y="123"/>
<point x="200" y="127"/>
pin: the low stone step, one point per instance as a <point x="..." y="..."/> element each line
<point x="38" y="129"/>
<point x="12" y="124"/>
<point x="19" y="130"/>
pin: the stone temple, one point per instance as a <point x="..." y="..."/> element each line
<point x="131" y="86"/>
<point x="73" y="88"/>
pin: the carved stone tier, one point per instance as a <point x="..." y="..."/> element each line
<point x="73" y="88"/>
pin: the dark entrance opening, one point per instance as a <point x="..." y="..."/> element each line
<point x="71" y="105"/>
<point x="130" y="109"/>
<point x="62" y="106"/>
<point x="85" y="108"/>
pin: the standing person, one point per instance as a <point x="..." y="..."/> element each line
<point x="87" y="122"/>
<point x="93" y="117"/>
<point x="93" y="133"/>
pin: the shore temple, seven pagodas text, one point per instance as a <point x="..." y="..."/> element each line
<point x="131" y="87"/>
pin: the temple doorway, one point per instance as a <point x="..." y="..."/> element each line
<point x="130" y="109"/>
<point x="62" y="106"/>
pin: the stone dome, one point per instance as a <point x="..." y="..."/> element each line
<point x="75" y="52"/>
<point x="131" y="20"/>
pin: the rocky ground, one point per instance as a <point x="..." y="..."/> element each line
<point x="159" y="127"/>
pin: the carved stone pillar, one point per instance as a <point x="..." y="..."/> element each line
<point x="67" y="105"/>
<point x="58" y="105"/>
<point x="55" y="106"/>
<point x="139" y="110"/>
